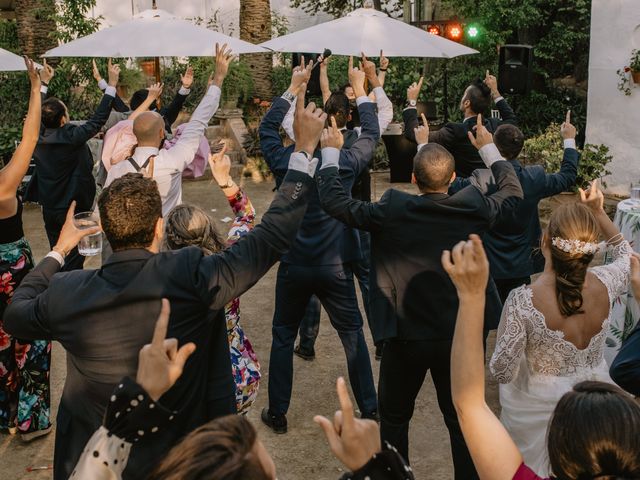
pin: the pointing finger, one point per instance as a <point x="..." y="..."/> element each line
<point x="160" y="331"/>
<point x="350" y="63"/>
<point x="345" y="404"/>
<point x="568" y="117"/>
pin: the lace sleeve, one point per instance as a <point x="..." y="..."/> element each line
<point x="511" y="339"/>
<point x="615" y="275"/>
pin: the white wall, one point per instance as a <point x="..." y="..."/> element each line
<point x="613" y="118"/>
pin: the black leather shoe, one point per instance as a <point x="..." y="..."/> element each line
<point x="305" y="355"/>
<point x="277" y="423"/>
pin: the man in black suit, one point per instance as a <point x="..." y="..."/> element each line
<point x="319" y="261"/>
<point x="511" y="243"/>
<point x="454" y="136"/>
<point x="64" y="164"/>
<point x="103" y="317"/>
<point x="412" y="302"/>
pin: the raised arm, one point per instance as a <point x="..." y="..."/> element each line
<point x="171" y="111"/>
<point x="509" y="191"/>
<point x="382" y="75"/>
<point x="325" y="88"/>
<point x="155" y="91"/>
<point x="565" y="179"/>
<point x="184" y="150"/>
<point x="506" y="112"/>
<point x="301" y="74"/>
<point x="118" y="104"/>
<point x="232" y="272"/>
<point x="12" y="174"/>
<point x="494" y="453"/>
<point x="81" y="133"/>
<point x="335" y="201"/>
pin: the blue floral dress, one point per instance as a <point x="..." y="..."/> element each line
<point x="24" y="366"/>
<point x="244" y="363"/>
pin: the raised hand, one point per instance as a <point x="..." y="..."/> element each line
<point x="468" y="267"/>
<point x="483" y="136"/>
<point x="308" y="123"/>
<point x="332" y="136"/>
<point x="96" y="72"/>
<point x="160" y="363"/>
<point x="413" y="92"/>
<point x="224" y="57"/>
<point x="46" y="72"/>
<point x="324" y="62"/>
<point x="220" y="165"/>
<point x="187" y="78"/>
<point x="567" y="130"/>
<point x="384" y="61"/>
<point x="491" y="82"/>
<point x="300" y="75"/>
<point x="593" y="198"/>
<point x="368" y="67"/>
<point x="356" y="79"/>
<point x="422" y="131"/>
<point x="114" y="73"/>
<point x="32" y="71"/>
<point x="70" y="235"/>
<point x="353" y="441"/>
<point x="155" y="90"/>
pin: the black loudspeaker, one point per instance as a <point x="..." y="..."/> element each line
<point x="515" y="73"/>
<point x="313" y="87"/>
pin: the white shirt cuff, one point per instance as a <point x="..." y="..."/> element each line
<point x="184" y="91"/>
<point x="110" y="91"/>
<point x="44" y="89"/>
<point x="570" y="143"/>
<point x="498" y="99"/>
<point x="378" y="91"/>
<point x="420" y="145"/>
<point x="214" y="90"/>
<point x="363" y="99"/>
<point x="55" y="256"/>
<point x="490" y="154"/>
<point x="102" y="84"/>
<point x="298" y="161"/>
<point x="288" y="100"/>
<point x="330" y="158"/>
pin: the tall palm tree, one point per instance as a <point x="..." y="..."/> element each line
<point x="255" y="27"/>
<point x="35" y="24"/>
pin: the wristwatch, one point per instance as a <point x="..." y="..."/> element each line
<point x="230" y="183"/>
<point x="288" y="96"/>
<point x="411" y="103"/>
<point x="307" y="155"/>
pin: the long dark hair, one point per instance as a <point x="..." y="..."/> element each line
<point x="595" y="434"/>
<point x="571" y="222"/>
<point x="220" y="450"/>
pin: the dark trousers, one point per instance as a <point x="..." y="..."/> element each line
<point x="310" y="325"/>
<point x="403" y="369"/>
<point x="333" y="285"/>
<point x="53" y="222"/>
<point x="505" y="285"/>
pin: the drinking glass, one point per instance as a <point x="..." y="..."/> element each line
<point x="89" y="245"/>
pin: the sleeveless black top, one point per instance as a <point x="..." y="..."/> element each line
<point x="11" y="228"/>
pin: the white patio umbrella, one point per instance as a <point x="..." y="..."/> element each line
<point x="10" y="62"/>
<point x="369" y="31"/>
<point x="152" y="33"/>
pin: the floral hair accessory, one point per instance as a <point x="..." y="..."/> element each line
<point x="575" y="247"/>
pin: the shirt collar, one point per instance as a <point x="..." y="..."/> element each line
<point x="146" y="151"/>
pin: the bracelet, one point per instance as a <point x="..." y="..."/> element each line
<point x="383" y="69"/>
<point x="43" y="83"/>
<point x="229" y="184"/>
<point x="615" y="238"/>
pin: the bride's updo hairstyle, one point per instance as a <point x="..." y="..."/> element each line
<point x="594" y="434"/>
<point x="189" y="225"/>
<point x="571" y="224"/>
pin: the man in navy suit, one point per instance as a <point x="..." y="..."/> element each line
<point x="511" y="242"/>
<point x="454" y="136"/>
<point x="319" y="261"/>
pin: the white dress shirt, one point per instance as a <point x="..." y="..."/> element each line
<point x="169" y="164"/>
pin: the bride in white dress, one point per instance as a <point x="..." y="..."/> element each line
<point x="552" y="333"/>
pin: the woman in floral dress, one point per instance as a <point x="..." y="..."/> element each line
<point x="189" y="225"/>
<point x="24" y="366"/>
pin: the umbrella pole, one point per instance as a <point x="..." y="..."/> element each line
<point x="445" y="90"/>
<point x="156" y="68"/>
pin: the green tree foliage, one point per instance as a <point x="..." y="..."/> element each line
<point x="338" y="8"/>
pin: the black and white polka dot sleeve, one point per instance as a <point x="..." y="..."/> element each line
<point x="385" y="465"/>
<point x="131" y="417"/>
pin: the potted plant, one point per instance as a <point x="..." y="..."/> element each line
<point x="634" y="65"/>
<point x="237" y="85"/>
<point x="627" y="74"/>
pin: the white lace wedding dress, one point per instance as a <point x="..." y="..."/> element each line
<point x="536" y="366"/>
